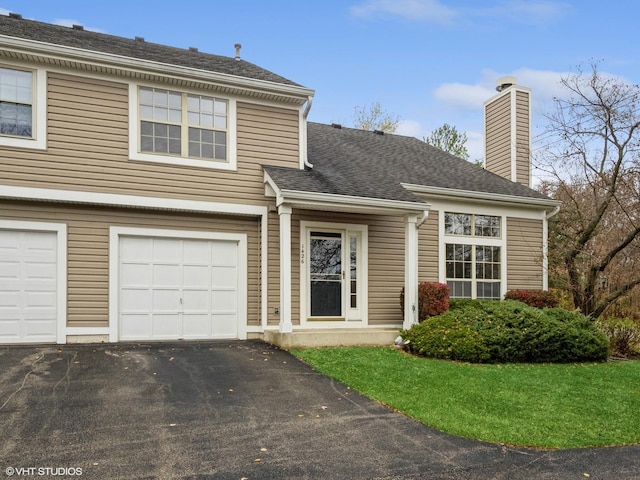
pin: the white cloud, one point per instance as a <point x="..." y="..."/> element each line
<point x="435" y="11"/>
<point x="463" y="95"/>
<point x="410" y="128"/>
<point x="4" y="11"/>
<point x="69" y="22"/>
<point x="423" y="10"/>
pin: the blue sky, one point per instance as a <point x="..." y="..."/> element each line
<point x="427" y="61"/>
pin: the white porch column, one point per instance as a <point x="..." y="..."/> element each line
<point x="284" y="211"/>
<point x="410" y="271"/>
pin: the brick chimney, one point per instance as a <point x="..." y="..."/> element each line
<point x="507" y="132"/>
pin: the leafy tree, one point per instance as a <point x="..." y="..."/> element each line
<point x="448" y="139"/>
<point x="591" y="159"/>
<point x="374" y="117"/>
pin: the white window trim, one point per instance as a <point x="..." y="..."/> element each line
<point x="359" y="316"/>
<point x="134" y="135"/>
<point x="501" y="242"/>
<point x="39" y="105"/>
<point x="60" y="229"/>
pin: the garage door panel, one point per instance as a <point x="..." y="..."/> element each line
<point x="195" y="300"/>
<point x="223" y="301"/>
<point x="196" y="276"/>
<point x="136" y="249"/>
<point x="167" y="250"/>
<point x="224" y="277"/>
<point x="134" y="300"/>
<point x="166" y="325"/>
<point x="165" y="299"/>
<point x="226" y="325"/>
<point x="197" y="251"/>
<point x="166" y="275"/>
<point x="224" y="253"/>
<point x="135" y="274"/>
<point x="197" y="326"/>
<point x="135" y="326"/>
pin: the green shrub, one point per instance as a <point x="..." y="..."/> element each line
<point x="433" y="299"/>
<point x="534" y="298"/>
<point x="623" y="335"/>
<point x="486" y="331"/>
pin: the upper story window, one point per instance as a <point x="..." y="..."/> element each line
<point x="22" y="107"/>
<point x="184" y="128"/>
<point x="471" y="225"/>
<point x="16" y="102"/>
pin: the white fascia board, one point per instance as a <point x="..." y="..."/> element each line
<point x="140" y="65"/>
<point x="118" y="200"/>
<point x="498" y="198"/>
<point x="315" y="200"/>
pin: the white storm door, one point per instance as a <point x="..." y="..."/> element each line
<point x="28" y="286"/>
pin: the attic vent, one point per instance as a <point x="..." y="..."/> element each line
<point x="336" y="125"/>
<point x="193" y="49"/>
<point x="378" y="132"/>
<point x="237" y="47"/>
<point x="139" y="39"/>
<point x="17" y="16"/>
<point x="77" y="27"/>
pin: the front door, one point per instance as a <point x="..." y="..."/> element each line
<point x="326" y="274"/>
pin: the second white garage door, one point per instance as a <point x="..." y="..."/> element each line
<point x="178" y="289"/>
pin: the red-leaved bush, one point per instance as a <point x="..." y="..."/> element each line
<point x="534" y="298"/>
<point x="433" y="299"/>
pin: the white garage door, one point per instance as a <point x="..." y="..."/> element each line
<point x="178" y="289"/>
<point x="28" y="286"/>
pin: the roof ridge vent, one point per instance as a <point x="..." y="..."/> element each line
<point x="17" y="16"/>
<point x="77" y="27"/>
<point x="139" y="39"/>
<point x="336" y="125"/>
<point x="193" y="49"/>
<point x="379" y="132"/>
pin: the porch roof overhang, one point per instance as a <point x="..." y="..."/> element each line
<point x="342" y="203"/>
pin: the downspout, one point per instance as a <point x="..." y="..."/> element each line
<point x="553" y="213"/>
<point x="423" y="219"/>
<point x="304" y="133"/>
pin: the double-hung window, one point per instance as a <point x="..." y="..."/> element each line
<point x="21" y="122"/>
<point x="473" y="255"/>
<point x="183" y="128"/>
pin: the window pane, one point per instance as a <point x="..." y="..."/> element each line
<point x="193" y="118"/>
<point x="207" y="150"/>
<point x="206" y="104"/>
<point x="194" y="149"/>
<point x="220" y="107"/>
<point x="175" y="146"/>
<point x="193" y="103"/>
<point x="175" y="116"/>
<point x="206" y="120"/>
<point x="146" y="96"/>
<point x="457" y="223"/>
<point x="221" y="153"/>
<point x="220" y="122"/>
<point x="207" y="136"/>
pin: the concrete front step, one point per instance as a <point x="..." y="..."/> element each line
<point x="330" y="337"/>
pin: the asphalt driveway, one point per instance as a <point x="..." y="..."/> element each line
<point x="234" y="410"/>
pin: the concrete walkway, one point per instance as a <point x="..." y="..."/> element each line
<point x="234" y="410"/>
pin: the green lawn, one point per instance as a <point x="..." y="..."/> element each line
<point x="541" y="405"/>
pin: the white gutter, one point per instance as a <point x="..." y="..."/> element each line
<point x="489" y="197"/>
<point x="89" y="57"/>
<point x="425" y="215"/>
<point x="305" y="149"/>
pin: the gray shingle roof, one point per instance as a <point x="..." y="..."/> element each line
<point x="103" y="43"/>
<point x="361" y="163"/>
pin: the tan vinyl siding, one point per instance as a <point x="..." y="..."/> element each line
<point x="87" y="149"/>
<point x="522" y="138"/>
<point x="428" y="249"/>
<point x="88" y="250"/>
<point x="386" y="270"/>
<point x="524" y="254"/>
<point x="498" y="136"/>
